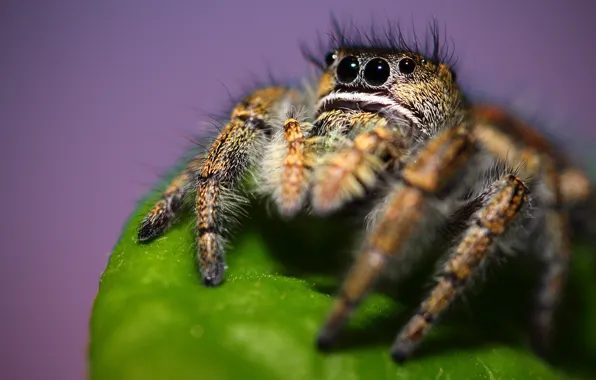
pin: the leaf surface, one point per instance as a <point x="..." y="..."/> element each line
<point x="152" y="319"/>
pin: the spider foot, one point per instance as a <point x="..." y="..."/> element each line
<point x="326" y="341"/>
<point x="401" y="351"/>
<point x="213" y="272"/>
<point x="540" y="335"/>
<point x="155" y="223"/>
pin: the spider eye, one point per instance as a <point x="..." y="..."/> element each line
<point x="376" y="72"/>
<point x="347" y="69"/>
<point x="330" y="58"/>
<point x="406" y="66"/>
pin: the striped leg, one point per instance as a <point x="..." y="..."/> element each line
<point x="238" y="146"/>
<point x="346" y="174"/>
<point x="501" y="206"/>
<point x="429" y="171"/>
<point x="562" y="186"/>
<point x="162" y="215"/>
<point x="287" y="166"/>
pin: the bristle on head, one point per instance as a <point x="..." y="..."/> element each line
<point x="388" y="36"/>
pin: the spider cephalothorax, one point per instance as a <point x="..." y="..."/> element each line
<point x="385" y="111"/>
<point x="401" y="83"/>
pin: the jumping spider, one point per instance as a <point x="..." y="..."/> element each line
<point x="389" y="123"/>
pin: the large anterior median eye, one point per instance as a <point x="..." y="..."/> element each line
<point x="376" y="72"/>
<point x="347" y="69"/>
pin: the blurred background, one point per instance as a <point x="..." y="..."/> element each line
<point x="97" y="99"/>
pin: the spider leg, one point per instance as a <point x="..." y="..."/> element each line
<point x="237" y="147"/>
<point x="348" y="171"/>
<point x="555" y="251"/>
<point x="287" y="166"/>
<point x="561" y="186"/>
<point x="162" y="214"/>
<point x="501" y="206"/>
<point x="430" y="170"/>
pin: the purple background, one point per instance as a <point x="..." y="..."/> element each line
<point x="96" y="99"/>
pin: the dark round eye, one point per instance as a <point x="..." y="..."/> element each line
<point x="347" y="69"/>
<point x="330" y="58"/>
<point x="406" y="66"/>
<point x="376" y="72"/>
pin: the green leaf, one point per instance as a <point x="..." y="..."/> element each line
<point x="152" y="319"/>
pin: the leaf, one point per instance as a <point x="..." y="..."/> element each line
<point x="152" y="319"/>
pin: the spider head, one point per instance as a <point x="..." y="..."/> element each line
<point x="400" y="84"/>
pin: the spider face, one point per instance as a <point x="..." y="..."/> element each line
<point x="394" y="83"/>
<point x="475" y="167"/>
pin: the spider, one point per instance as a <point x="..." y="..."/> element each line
<point x="388" y="123"/>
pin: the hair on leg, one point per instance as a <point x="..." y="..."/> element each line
<point x="162" y="214"/>
<point x="238" y="147"/>
<point x="501" y="207"/>
<point x="429" y="172"/>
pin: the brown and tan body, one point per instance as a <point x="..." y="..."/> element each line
<point x="393" y="116"/>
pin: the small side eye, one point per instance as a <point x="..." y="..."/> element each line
<point x="347" y="69"/>
<point x="376" y="72"/>
<point x="330" y="58"/>
<point x="406" y="66"/>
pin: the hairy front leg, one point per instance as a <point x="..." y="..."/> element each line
<point x="239" y="146"/>
<point x="347" y="172"/>
<point x="287" y="166"/>
<point x="500" y="208"/>
<point x="429" y="172"/>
